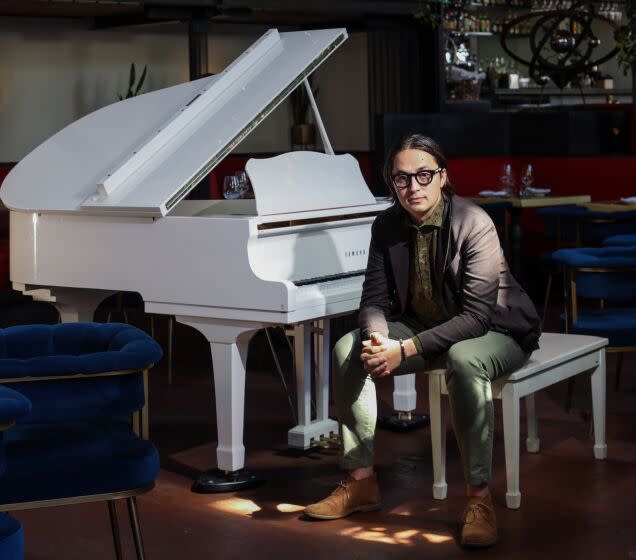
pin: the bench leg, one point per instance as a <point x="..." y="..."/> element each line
<point x="532" y="441"/>
<point x="510" y="406"/>
<point x="437" y="406"/>
<point x="598" y="406"/>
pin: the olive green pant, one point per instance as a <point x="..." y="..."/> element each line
<point x="470" y="365"/>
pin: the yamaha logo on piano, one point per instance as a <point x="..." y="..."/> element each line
<point x="356" y="253"/>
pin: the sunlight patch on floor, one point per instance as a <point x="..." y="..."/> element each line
<point x="236" y="505"/>
<point x="404" y="511"/>
<point x="406" y="537"/>
<point x="289" y="508"/>
<point x="436" y="538"/>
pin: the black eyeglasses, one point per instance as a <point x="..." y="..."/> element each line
<point x="424" y="177"/>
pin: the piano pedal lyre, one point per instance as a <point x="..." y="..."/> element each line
<point x="311" y="359"/>
<point x="332" y="441"/>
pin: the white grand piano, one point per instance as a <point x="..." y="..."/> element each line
<point x="99" y="208"/>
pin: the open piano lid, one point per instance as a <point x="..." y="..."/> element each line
<point x="141" y="156"/>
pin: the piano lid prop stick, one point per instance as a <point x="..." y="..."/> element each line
<point x="187" y="114"/>
<point x="321" y="127"/>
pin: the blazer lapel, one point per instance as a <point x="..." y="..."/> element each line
<point x="399" y="253"/>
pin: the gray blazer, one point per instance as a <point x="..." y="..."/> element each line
<point x="478" y="292"/>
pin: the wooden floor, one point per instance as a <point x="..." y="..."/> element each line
<point x="572" y="505"/>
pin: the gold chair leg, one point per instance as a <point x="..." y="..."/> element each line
<point x="136" y="425"/>
<point x="112" y="513"/>
<point x="145" y="428"/>
<point x="136" y="529"/>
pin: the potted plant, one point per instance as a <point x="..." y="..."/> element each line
<point x="133" y="89"/>
<point x="303" y="132"/>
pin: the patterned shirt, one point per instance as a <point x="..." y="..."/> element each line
<point x="423" y="307"/>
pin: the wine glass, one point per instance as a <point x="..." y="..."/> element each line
<point x="245" y="185"/>
<point x="507" y="180"/>
<point x="527" y="178"/>
<point x="231" y="188"/>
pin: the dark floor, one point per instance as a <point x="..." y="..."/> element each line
<point x="572" y="505"/>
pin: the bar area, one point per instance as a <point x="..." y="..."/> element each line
<point x="512" y="52"/>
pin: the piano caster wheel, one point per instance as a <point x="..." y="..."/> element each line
<point x="216" y="481"/>
<point x="403" y="421"/>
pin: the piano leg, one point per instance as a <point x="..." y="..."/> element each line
<point x="228" y="344"/>
<point x="310" y="432"/>
<point x="404" y="401"/>
<point x="77" y="305"/>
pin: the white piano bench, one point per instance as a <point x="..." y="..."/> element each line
<point x="559" y="357"/>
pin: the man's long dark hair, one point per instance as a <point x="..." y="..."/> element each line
<point x="415" y="142"/>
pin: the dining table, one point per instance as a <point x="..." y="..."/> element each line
<point x="515" y="206"/>
<point x="610" y="206"/>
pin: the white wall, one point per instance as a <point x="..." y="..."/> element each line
<point x="343" y="98"/>
<point x="53" y="72"/>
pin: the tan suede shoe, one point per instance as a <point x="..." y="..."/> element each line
<point x="351" y="495"/>
<point x="479" y="524"/>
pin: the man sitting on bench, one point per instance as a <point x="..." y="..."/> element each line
<point x="437" y="293"/>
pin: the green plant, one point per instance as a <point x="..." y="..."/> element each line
<point x="426" y="14"/>
<point x="626" y="39"/>
<point x="132" y="88"/>
<point x="300" y="102"/>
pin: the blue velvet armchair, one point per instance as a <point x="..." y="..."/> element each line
<point x="83" y="438"/>
<point x="625" y="240"/>
<point x="576" y="226"/>
<point x="606" y="275"/>
<point x="13" y="406"/>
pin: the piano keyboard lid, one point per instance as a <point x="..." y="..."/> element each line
<point x="141" y="156"/>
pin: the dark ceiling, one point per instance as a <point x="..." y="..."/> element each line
<point x="276" y="12"/>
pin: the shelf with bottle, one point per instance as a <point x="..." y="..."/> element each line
<point x="465" y="34"/>
<point x="614" y="10"/>
<point x="477" y="15"/>
<point x="540" y="5"/>
<point x="501" y="73"/>
<point x="459" y="21"/>
<point x="479" y="34"/>
<point x="478" y="4"/>
<point x="501" y="5"/>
